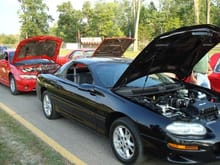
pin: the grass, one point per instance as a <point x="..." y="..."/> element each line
<point x="19" y="146"/>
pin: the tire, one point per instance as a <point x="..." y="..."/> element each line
<point x="125" y="138"/>
<point x="48" y="107"/>
<point x="12" y="85"/>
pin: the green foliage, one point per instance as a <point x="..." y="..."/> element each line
<point x="68" y="23"/>
<point x="34" y="18"/>
<point x="8" y="39"/>
<point x="108" y="19"/>
<point x="103" y="21"/>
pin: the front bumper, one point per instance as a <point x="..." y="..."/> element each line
<point x="207" y="152"/>
<point x="26" y="85"/>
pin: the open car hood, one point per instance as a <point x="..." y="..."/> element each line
<point x="113" y="47"/>
<point x="39" y="47"/>
<point x="175" y="52"/>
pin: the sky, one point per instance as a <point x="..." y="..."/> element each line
<point x="9" y="9"/>
<point x="9" y="17"/>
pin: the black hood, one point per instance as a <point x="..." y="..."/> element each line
<point x="176" y="52"/>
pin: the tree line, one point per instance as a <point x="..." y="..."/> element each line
<point x="141" y="19"/>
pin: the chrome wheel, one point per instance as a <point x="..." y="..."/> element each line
<point x="13" y="87"/>
<point x="123" y="142"/>
<point x="47" y="106"/>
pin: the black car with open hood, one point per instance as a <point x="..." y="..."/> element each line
<point x="177" y="52"/>
<point x="136" y="104"/>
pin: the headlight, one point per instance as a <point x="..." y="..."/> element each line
<point x="182" y="128"/>
<point x="28" y="76"/>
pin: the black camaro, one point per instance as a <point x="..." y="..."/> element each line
<point x="136" y="104"/>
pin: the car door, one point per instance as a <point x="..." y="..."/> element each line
<point x="76" y="100"/>
<point x="4" y="69"/>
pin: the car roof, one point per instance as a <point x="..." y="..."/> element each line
<point x="92" y="60"/>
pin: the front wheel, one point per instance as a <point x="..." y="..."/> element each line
<point x="125" y="141"/>
<point x="12" y="85"/>
<point x="48" y="107"/>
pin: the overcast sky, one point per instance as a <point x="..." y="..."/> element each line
<point x="9" y="18"/>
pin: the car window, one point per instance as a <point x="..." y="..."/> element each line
<point x="217" y="67"/>
<point x="107" y="75"/>
<point x="79" y="75"/>
<point x="11" y="55"/>
<point x="89" y="52"/>
<point x="76" y="54"/>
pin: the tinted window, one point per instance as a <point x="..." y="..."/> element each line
<point x="11" y="55"/>
<point x="108" y="74"/>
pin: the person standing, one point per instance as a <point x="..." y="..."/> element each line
<point x="200" y="73"/>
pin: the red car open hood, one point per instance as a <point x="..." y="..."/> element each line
<point x="176" y="52"/>
<point x="113" y="47"/>
<point x="39" y="47"/>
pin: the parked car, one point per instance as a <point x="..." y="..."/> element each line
<point x="74" y="54"/>
<point x="138" y="106"/>
<point x="214" y="77"/>
<point x="19" y="68"/>
<point x="108" y="44"/>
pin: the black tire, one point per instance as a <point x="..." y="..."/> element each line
<point x="48" y="107"/>
<point x="131" y="143"/>
<point x="12" y="85"/>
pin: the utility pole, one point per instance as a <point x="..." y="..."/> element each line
<point x="196" y="11"/>
<point x="208" y="11"/>
<point x="137" y="8"/>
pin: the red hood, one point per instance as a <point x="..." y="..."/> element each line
<point x="39" y="47"/>
<point x="113" y="47"/>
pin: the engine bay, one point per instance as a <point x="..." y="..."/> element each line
<point x="183" y="104"/>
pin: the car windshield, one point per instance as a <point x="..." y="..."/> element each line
<point x="150" y="80"/>
<point x="108" y="75"/>
<point x="11" y="55"/>
<point x="89" y="52"/>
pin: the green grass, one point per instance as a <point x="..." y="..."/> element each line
<point x="19" y="146"/>
<point x="64" y="51"/>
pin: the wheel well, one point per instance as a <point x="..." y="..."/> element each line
<point x="9" y="75"/>
<point x="114" y="116"/>
<point x="42" y="91"/>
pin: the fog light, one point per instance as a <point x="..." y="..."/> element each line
<point x="182" y="147"/>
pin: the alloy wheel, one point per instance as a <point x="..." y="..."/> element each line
<point x="123" y="142"/>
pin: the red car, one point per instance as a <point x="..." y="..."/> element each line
<point x="74" y="54"/>
<point x="215" y="76"/>
<point x="109" y="46"/>
<point x="19" y="68"/>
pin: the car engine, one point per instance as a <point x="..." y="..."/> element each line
<point x="184" y="104"/>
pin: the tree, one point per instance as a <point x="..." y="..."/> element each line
<point x="34" y="18"/>
<point x="103" y="20"/>
<point x="69" y="22"/>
